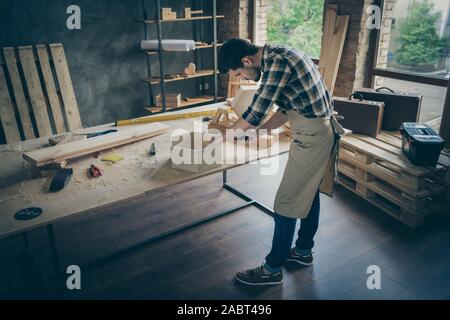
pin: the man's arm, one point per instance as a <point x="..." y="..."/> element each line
<point x="276" y="121"/>
<point x="274" y="78"/>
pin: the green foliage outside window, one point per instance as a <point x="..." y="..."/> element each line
<point x="419" y="43"/>
<point x="296" y="23"/>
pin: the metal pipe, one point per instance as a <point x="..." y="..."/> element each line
<point x="160" y="54"/>
<point x="215" y="47"/>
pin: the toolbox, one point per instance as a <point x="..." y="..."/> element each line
<point x="399" y="107"/>
<point x="420" y="143"/>
<point x="360" y="116"/>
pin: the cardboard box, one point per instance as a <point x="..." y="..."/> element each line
<point x="172" y="100"/>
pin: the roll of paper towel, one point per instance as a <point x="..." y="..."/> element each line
<point x="169" y="45"/>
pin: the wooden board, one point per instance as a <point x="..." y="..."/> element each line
<point x="7" y="114"/>
<point x="76" y="149"/>
<point x="328" y="29"/>
<point x="410" y="219"/>
<point x="199" y="73"/>
<point x="16" y="83"/>
<point x="65" y="84"/>
<point x="335" y="31"/>
<point x="50" y="87"/>
<point x="181" y="19"/>
<point x="375" y="152"/>
<point x="35" y="92"/>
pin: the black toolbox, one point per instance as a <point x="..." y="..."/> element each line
<point x="399" y="107"/>
<point x="420" y="143"/>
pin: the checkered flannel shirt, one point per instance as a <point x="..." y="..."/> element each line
<point x="291" y="80"/>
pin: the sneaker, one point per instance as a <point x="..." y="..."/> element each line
<point x="259" y="276"/>
<point x="305" y="260"/>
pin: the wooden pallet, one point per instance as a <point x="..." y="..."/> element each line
<point x="377" y="170"/>
<point x="42" y="101"/>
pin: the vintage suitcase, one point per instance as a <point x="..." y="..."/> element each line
<point x="360" y="116"/>
<point x="399" y="107"/>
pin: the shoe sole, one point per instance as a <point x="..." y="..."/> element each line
<point x="258" y="284"/>
<point x="300" y="262"/>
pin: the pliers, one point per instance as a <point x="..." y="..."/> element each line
<point x="94" y="171"/>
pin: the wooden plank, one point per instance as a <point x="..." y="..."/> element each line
<point x="16" y="83"/>
<point x="199" y="73"/>
<point x="181" y="19"/>
<point x="76" y="149"/>
<point x="384" y="156"/>
<point x="53" y="98"/>
<point x="336" y="47"/>
<point x="328" y="27"/>
<point x="395" y="150"/>
<point x="34" y="88"/>
<point x="7" y="113"/>
<point x="65" y="84"/>
<point x="387" y="176"/>
<point x="386" y="171"/>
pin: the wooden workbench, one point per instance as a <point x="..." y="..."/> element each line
<point x="136" y="175"/>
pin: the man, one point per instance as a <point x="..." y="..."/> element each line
<point x="290" y="80"/>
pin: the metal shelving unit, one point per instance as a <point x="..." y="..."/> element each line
<point x="164" y="79"/>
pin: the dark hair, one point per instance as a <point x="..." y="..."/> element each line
<point x="232" y="52"/>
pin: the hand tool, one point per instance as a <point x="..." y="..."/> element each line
<point x="96" y="134"/>
<point x="28" y="213"/>
<point x="152" y="150"/>
<point x="61" y="179"/>
<point x="94" y="171"/>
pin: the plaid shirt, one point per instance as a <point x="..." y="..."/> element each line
<point x="291" y="80"/>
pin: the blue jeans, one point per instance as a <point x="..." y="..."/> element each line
<point x="284" y="233"/>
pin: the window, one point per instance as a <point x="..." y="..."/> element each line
<point x="296" y="23"/>
<point x="416" y="38"/>
<point x="413" y="51"/>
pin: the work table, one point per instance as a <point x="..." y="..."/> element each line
<point x="21" y="185"/>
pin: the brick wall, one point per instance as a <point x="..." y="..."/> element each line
<point x="238" y="22"/>
<point x="385" y="37"/>
<point x="353" y="69"/>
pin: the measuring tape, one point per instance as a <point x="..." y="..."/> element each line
<point x="168" y="117"/>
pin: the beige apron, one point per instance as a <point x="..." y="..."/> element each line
<point x="312" y="156"/>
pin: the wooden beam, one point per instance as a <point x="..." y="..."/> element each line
<point x="53" y="98"/>
<point x="35" y="92"/>
<point x="16" y="84"/>
<point x="66" y="87"/>
<point x="7" y="114"/>
<point x="76" y="149"/>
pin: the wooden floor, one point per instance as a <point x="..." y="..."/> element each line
<point x="201" y="263"/>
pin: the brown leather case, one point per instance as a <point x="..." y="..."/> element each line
<point x="399" y="107"/>
<point x="360" y="116"/>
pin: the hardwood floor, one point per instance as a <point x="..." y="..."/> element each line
<point x="201" y="263"/>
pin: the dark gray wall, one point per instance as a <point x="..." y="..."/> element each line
<point x="104" y="59"/>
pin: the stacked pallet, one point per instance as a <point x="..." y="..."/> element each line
<point x="377" y="170"/>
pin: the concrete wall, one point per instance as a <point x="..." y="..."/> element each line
<point x="104" y="58"/>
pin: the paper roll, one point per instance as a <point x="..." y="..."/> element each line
<point x="169" y="45"/>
